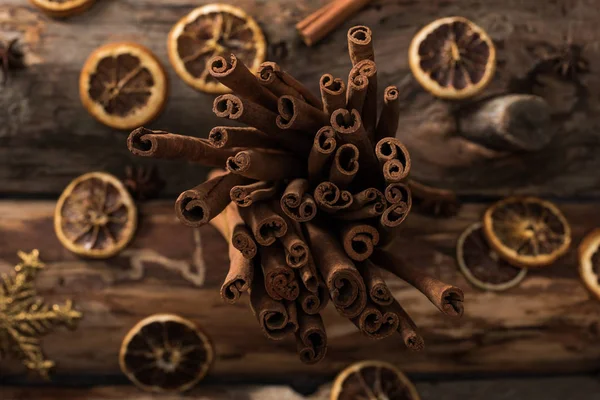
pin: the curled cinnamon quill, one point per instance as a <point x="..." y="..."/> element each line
<point x="268" y="75"/>
<point x="297" y="115"/>
<point x="330" y="198"/>
<point x="359" y="240"/>
<point x="311" y="338"/>
<point x="245" y="195"/>
<point x="344" y="166"/>
<point x="323" y="149"/>
<point x="271" y="69"/>
<point x="280" y="281"/>
<point x="264" y="222"/>
<point x="333" y="93"/>
<point x="232" y="137"/>
<point x="389" y="149"/>
<point x="406" y="327"/>
<point x="390" y="114"/>
<point x="366" y="204"/>
<point x="297" y="203"/>
<point x="312" y="303"/>
<point x="266" y="165"/>
<point x="375" y="323"/>
<point x="368" y="68"/>
<point x="360" y="44"/>
<point x="379" y="293"/>
<point x="357" y="92"/>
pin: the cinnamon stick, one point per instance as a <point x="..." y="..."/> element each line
<point x="344" y="166"/>
<point x="447" y="298"/>
<point x="375" y="323"/>
<point x="265" y="165"/>
<point x="311" y="338"/>
<point x="319" y="24"/>
<point x="243" y="240"/>
<point x="359" y="240"/>
<point x="234" y="74"/>
<point x="389" y="149"/>
<point x="266" y="225"/>
<point x="228" y="137"/>
<point x="296" y="249"/>
<point x="297" y="203"/>
<point x="323" y="148"/>
<point x="333" y="93"/>
<point x="297" y="115"/>
<point x="368" y="68"/>
<point x="312" y="303"/>
<point x="396" y="213"/>
<point x="271" y="71"/>
<point x="357" y="92"/>
<point x="406" y="327"/>
<point x="279" y="279"/>
<point x="390" y="114"/>
<point x="397" y="192"/>
<point x="276" y="318"/>
<point x="366" y="204"/>
<point x="379" y="293"/>
<point x="160" y="144"/>
<point x="245" y="195"/>
<point x="360" y="44"/>
<point x="197" y="206"/>
<point x="309" y="276"/>
<point x="346" y="286"/>
<point x="331" y="199"/>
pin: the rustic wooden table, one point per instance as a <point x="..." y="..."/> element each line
<point x="547" y="324"/>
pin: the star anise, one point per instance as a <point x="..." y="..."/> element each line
<point x="11" y="57"/>
<point x="143" y="183"/>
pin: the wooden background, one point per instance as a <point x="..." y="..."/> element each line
<point x="548" y="324"/>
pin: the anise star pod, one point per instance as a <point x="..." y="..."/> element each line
<point x="165" y="353"/>
<point x="452" y="58"/>
<point x="214" y="30"/>
<point x="95" y="216"/>
<point x="123" y="85"/>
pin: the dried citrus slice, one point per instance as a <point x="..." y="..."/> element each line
<point x="214" y="30"/>
<point x="452" y="58"/>
<point x="95" y="216"/>
<point x="63" y="8"/>
<point x="373" y="380"/>
<point x="589" y="262"/>
<point x="527" y="231"/>
<point x="165" y="353"/>
<point x="123" y="85"/>
<point x="481" y="265"/>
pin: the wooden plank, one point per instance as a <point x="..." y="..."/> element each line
<point x="42" y="123"/>
<point x="547" y="324"/>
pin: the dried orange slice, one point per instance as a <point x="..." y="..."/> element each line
<point x="123" y="85"/>
<point x="373" y="380"/>
<point x="452" y="58"/>
<point x="527" y="231"/>
<point x="165" y="353"/>
<point x="95" y="216"/>
<point x="63" y="8"/>
<point x="589" y="262"/>
<point x="481" y="265"/>
<point x="214" y="30"/>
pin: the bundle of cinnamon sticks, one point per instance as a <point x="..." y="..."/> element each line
<point x="308" y="196"/>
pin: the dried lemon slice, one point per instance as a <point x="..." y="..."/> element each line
<point x="95" y="216"/>
<point x="452" y="58"/>
<point x="123" y="85"/>
<point x="214" y="30"/>
<point x="373" y="380"/>
<point x="527" y="231"/>
<point x="589" y="262"/>
<point x="63" y="8"/>
<point x="165" y="353"/>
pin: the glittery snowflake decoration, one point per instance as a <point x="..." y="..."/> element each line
<point x="25" y="317"/>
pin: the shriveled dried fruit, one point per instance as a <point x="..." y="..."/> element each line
<point x="165" y="353"/>
<point x="589" y="262"/>
<point x="214" y="30"/>
<point x="95" y="216"/>
<point x="123" y="85"/>
<point x="370" y="380"/>
<point x="481" y="265"/>
<point x="527" y="231"/>
<point x="452" y="58"/>
<point x="63" y="8"/>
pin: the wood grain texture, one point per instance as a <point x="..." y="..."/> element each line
<point x="46" y="138"/>
<point x="547" y="324"/>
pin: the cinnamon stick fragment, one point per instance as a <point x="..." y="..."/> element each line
<point x="331" y="199"/>
<point x="447" y="298"/>
<point x="281" y="83"/>
<point x="311" y="339"/>
<point x="197" y="206"/>
<point x="323" y="148"/>
<point x="366" y="204"/>
<point x="297" y="203"/>
<point x="234" y="74"/>
<point x="393" y="158"/>
<point x="379" y="293"/>
<point x="360" y="44"/>
<point x="265" y="165"/>
<point x="377" y="324"/>
<point x="266" y="225"/>
<point x="368" y="68"/>
<point x="346" y="286"/>
<point x="245" y="195"/>
<point x="280" y="281"/>
<point x="297" y="115"/>
<point x="406" y="327"/>
<point x="231" y="137"/>
<point x="276" y="318"/>
<point x="359" y="240"/>
<point x="344" y="166"/>
<point x="390" y="114"/>
<point x="160" y="144"/>
<point x="333" y="93"/>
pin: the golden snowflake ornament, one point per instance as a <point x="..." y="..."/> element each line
<point x="25" y="317"/>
